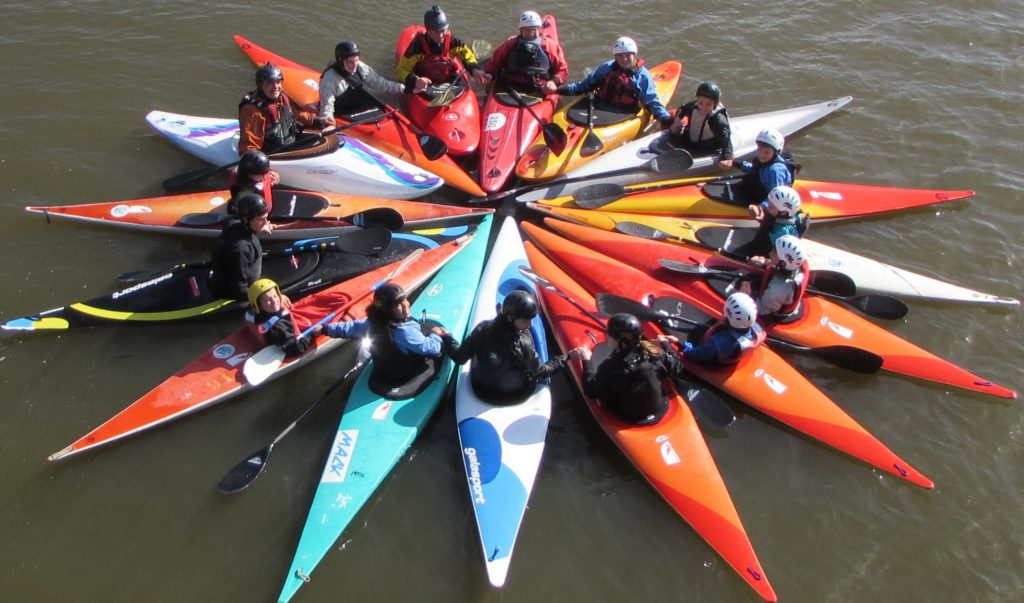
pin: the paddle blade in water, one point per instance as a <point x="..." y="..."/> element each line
<point x="245" y="472"/>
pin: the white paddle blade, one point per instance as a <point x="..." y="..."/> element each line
<point x="261" y="365"/>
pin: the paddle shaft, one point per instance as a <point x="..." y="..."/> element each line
<point x="554" y="135"/>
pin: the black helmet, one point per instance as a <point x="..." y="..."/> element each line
<point x="388" y="296"/>
<point x="268" y="71"/>
<point x="435" y="19"/>
<point x="710" y="90"/>
<point x="519" y="305"/>
<point x="253" y="163"/>
<point x="345" y="49"/>
<point x="250" y="206"/>
<point x="624" y="328"/>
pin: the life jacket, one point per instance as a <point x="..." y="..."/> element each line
<point x="237" y="189"/>
<point x="639" y="396"/>
<point x="799" y="280"/>
<point x="354" y="99"/>
<point x="282" y="128"/>
<point x="706" y="138"/>
<point x="617" y="89"/>
<point x="527" y="63"/>
<point x="498" y="370"/>
<point x="754" y="186"/>
<point x="730" y="343"/>
<point x="392" y="365"/>
<point x="437" y="66"/>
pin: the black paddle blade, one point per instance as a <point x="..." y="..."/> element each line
<point x="433" y="147"/>
<point x="644" y="231"/>
<point x="707" y="406"/>
<point x="678" y="160"/>
<point x="851" y="358"/>
<point x="832" y="282"/>
<point x="592" y="145"/>
<point x="386" y="217"/>
<point x="599" y="195"/>
<point x="364" y="241"/>
<point x="880" y="306"/>
<point x="555" y="138"/>
<point x="245" y="472"/>
<point x="684" y="268"/>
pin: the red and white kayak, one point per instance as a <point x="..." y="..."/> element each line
<point x="823" y="322"/>
<point x="295" y="214"/>
<point x="217" y="375"/>
<point x="509" y="128"/>
<point x="394" y="133"/>
<point x="671" y="454"/>
<point x="456" y="123"/>
<point x="762" y="378"/>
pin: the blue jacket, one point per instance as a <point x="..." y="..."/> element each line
<point x="642" y="82"/>
<point x="407" y="336"/>
<point x="724" y="345"/>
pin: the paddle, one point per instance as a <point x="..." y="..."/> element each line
<point x="264" y="363"/>
<point x="554" y="135"/>
<point x="183" y="181"/>
<point x="848" y="357"/>
<point x="433" y="148"/>
<point x="708" y="404"/>
<point x="388" y="217"/>
<point x="592" y="145"/>
<point x="875" y="305"/>
<point x="666" y="163"/>
<point x="249" y="468"/>
<point x="599" y="195"/>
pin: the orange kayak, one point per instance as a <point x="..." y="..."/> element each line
<point x="823" y="323"/>
<point x="394" y="133"/>
<point x="761" y="378"/>
<point x="672" y="454"/>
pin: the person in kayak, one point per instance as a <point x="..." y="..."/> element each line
<point x="237" y="258"/>
<point x="401" y="353"/>
<point x="530" y="63"/>
<point x="269" y="316"/>
<point x="267" y="120"/>
<point x="344" y="83"/>
<point x="623" y="84"/>
<point x="771" y="167"/>
<point x="506" y="367"/>
<point x="629" y="381"/>
<point x="436" y="56"/>
<point x="731" y="336"/>
<point x="253" y="176"/>
<point x="780" y="216"/>
<point x="784" y="283"/>
<point x="701" y="126"/>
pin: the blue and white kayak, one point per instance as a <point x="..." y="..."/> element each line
<point x="375" y="432"/>
<point x="354" y="168"/>
<point x="502" y="445"/>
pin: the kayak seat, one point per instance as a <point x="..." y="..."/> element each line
<point x="408" y="389"/>
<point x="506" y="98"/>
<point x="317" y="146"/>
<point x="604" y="115"/>
<point x="727" y="190"/>
<point x="437" y="91"/>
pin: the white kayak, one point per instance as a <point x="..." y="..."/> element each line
<point x="354" y="168"/>
<point x="642" y="150"/>
<point x="502" y="445"/>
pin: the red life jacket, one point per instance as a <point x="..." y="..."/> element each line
<point x="438" y="67"/>
<point x="617" y="89"/>
<point x="798" y="297"/>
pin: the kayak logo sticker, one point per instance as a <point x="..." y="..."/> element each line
<point x="840" y="330"/>
<point x="774" y="384"/>
<point x="140" y="286"/>
<point x="217" y="201"/>
<point x="668" y="453"/>
<point x="495" y="121"/>
<point x="450" y="116"/>
<point x="120" y="211"/>
<point x="313" y="84"/>
<point x="382" y="411"/>
<point x="475" y="483"/>
<point x="826" y="195"/>
<point x="223" y="351"/>
<point x="340" y="458"/>
<point x="435" y="290"/>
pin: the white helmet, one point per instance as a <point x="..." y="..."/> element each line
<point x="741" y="310"/>
<point x="790" y="251"/>
<point x="624" y="45"/>
<point x="529" y="19"/>
<point x="785" y="198"/>
<point x="772" y="138"/>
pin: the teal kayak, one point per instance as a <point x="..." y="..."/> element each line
<point x="375" y="432"/>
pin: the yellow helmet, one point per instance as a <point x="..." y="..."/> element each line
<point x="258" y="288"/>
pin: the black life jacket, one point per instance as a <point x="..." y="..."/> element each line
<point x="353" y="100"/>
<point x="638" y="395"/>
<point x="617" y="89"/>
<point x="283" y="128"/>
<point x="752" y="185"/>
<point x="498" y="369"/>
<point x="391" y="365"/>
<point x="702" y="146"/>
<point x="527" y="63"/>
<point x="437" y="66"/>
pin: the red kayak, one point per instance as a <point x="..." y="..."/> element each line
<point x="823" y="323"/>
<point x="671" y="454"/>
<point x="509" y="129"/>
<point x="217" y="375"/>
<point x="393" y="133"/>
<point x="295" y="214"/>
<point x="761" y="378"/>
<point x="457" y="122"/>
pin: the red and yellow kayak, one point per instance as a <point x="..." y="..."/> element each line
<point x="761" y="378"/>
<point x="823" y="323"/>
<point x="719" y="199"/>
<point x="394" y="133"/>
<point x="457" y="124"/>
<point x="295" y="214"/>
<point x="217" y="375"/>
<point x="540" y="163"/>
<point x="672" y="454"/>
